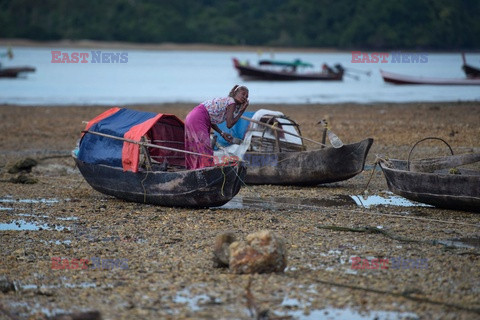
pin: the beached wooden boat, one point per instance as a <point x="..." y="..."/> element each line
<point x="307" y="167"/>
<point x="139" y="156"/>
<point x="281" y="158"/>
<point x="14" y="71"/>
<point x="427" y="182"/>
<point x="208" y="187"/>
<point x="396" y="78"/>
<point x="286" y="71"/>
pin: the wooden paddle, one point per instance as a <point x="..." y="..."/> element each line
<point x="286" y="132"/>
<point x="334" y="139"/>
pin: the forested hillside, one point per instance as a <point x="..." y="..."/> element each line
<point x="343" y="24"/>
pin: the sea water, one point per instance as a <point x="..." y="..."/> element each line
<point x="149" y="76"/>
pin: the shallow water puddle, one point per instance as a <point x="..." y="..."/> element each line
<point x="195" y="302"/>
<point x="82" y="285"/>
<point x="58" y="242"/>
<point x="240" y="202"/>
<point x="25" y="309"/>
<point x="387" y="199"/>
<point x="42" y="200"/>
<point x="22" y="225"/>
<point x="294" y="306"/>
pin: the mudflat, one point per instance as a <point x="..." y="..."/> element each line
<point x="152" y="262"/>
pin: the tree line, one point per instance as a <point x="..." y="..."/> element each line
<point x="341" y="24"/>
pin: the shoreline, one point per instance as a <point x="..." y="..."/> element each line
<point x="94" y="44"/>
<point x="167" y="46"/>
<point x="260" y="105"/>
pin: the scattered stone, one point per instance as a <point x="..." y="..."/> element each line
<point x="263" y="252"/>
<point x="23" y="179"/>
<point x="221" y="250"/>
<point x="23" y="165"/>
<point x="45" y="292"/>
<point x="6" y="285"/>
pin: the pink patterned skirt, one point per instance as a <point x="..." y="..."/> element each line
<point x="197" y="138"/>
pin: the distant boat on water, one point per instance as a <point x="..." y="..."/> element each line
<point x="13" y="72"/>
<point x="275" y="70"/>
<point x="470" y="71"/>
<point x="396" y="78"/>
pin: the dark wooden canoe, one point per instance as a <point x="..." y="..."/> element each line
<point x="404" y="79"/>
<point x="14" y="71"/>
<point x="249" y="72"/>
<point x="207" y="187"/>
<point x="440" y="188"/>
<point x="307" y="167"/>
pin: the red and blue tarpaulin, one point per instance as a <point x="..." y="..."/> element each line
<point x="160" y="129"/>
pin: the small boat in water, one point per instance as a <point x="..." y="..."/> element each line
<point x="140" y="157"/>
<point x="436" y="181"/>
<point x="286" y="71"/>
<point x="396" y="78"/>
<point x="470" y="71"/>
<point x="280" y="156"/>
<point x="14" y="72"/>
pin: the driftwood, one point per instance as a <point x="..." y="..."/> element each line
<point x="375" y="230"/>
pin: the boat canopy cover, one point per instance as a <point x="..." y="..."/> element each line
<point x="237" y="131"/>
<point x="160" y="129"/>
<point x="294" y="63"/>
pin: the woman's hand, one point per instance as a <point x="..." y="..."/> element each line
<point x="243" y="107"/>
<point x="227" y="137"/>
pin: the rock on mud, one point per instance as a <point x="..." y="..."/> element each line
<point x="24" y="165"/>
<point x="263" y="252"/>
<point x="221" y="250"/>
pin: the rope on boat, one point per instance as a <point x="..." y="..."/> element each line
<point x="145" y="144"/>
<point x="377" y="161"/>
<point x="143" y="187"/>
<point x="223" y="183"/>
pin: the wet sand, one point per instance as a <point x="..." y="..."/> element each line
<point x="168" y="272"/>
